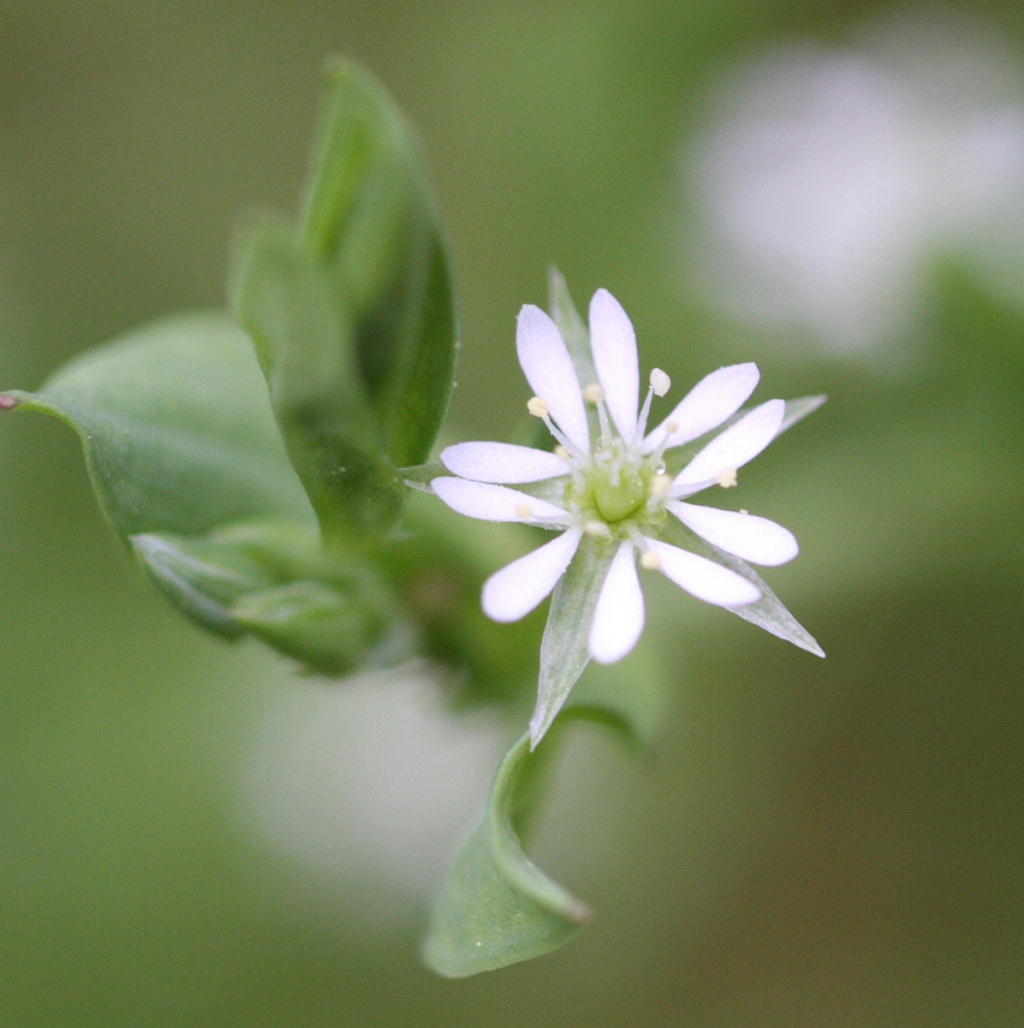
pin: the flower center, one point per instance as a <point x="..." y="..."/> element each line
<point x="617" y="497"/>
<point x="616" y="486"/>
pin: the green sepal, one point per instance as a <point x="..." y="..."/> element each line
<point x="495" y="907"/>
<point x="303" y="340"/>
<point x="768" y="612"/>
<point x="370" y="221"/>
<point x="571" y="326"/>
<point x="565" y="649"/>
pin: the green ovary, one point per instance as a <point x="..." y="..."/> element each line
<point x="616" y="497"/>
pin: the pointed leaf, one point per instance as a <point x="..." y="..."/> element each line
<point x="306" y="351"/>
<point x="176" y="427"/>
<point x="369" y="220"/>
<point x="330" y="612"/>
<point x="496" y="907"/>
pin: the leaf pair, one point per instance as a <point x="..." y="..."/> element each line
<point x="261" y="515"/>
<point x="351" y="315"/>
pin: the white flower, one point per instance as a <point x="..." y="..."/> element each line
<point x="608" y="479"/>
<point x="829" y="180"/>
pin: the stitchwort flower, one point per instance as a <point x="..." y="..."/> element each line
<point x="618" y="494"/>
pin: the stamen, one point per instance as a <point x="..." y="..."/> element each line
<point x="524" y="511"/>
<point x="659" y="454"/>
<point x="660" y="486"/>
<point x="539" y="409"/>
<point x="561" y="451"/>
<point x="594" y="395"/>
<point x="597" y="529"/>
<point x="650" y="560"/>
<point x="726" y="478"/>
<point x="660" y="382"/>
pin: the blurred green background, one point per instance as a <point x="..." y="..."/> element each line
<point x="189" y="835"/>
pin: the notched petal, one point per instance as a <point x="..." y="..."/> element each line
<point x="496" y="502"/>
<point x="737" y="445"/>
<point x="549" y="370"/>
<point x="619" y="614"/>
<point x="512" y="592"/>
<point x="613" y="343"/>
<point x="701" y="577"/>
<point x="502" y="463"/>
<point x="745" y="535"/>
<point x="713" y="399"/>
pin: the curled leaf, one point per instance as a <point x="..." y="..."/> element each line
<point x="496" y="907"/>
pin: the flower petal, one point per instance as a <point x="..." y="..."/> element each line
<point x="732" y="449"/>
<point x="613" y="343"/>
<point x="495" y="502"/>
<point x="713" y="399"/>
<point x="744" y="535"/>
<point x="502" y="462"/>
<point x="703" y="578"/>
<point x="517" y="588"/>
<point x="548" y="368"/>
<point x="619" y="614"/>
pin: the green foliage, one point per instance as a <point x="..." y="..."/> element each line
<point x="219" y="489"/>
<point x="260" y="476"/>
<point x="495" y="907"/>
<point x="176" y="429"/>
<point x="352" y="314"/>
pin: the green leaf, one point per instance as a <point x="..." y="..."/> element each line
<point x="304" y="344"/>
<point x="564" y="650"/>
<point x="189" y="468"/>
<point x="176" y="428"/>
<point x="370" y="221"/>
<point x="332" y="613"/>
<point x="496" y="907"/>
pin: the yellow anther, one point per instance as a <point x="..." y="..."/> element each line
<point x="660" y="486"/>
<point x="537" y="407"/>
<point x="593" y="393"/>
<point x="660" y="382"/>
<point x="562" y="452"/>
<point x="727" y="478"/>
<point x="597" y="529"/>
<point x="650" y="560"/>
<point x="524" y="511"/>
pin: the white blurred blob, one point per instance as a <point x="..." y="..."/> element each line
<point x="367" y="787"/>
<point x="829" y="180"/>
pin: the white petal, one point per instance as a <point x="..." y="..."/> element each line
<point x="619" y="614"/>
<point x="502" y="462"/>
<point x="613" y="343"/>
<point x="517" y="588"/>
<point x="745" y="535"/>
<point x="548" y="368"/>
<point x="738" y="444"/>
<point x="495" y="502"/>
<point x="703" y="578"/>
<point x="713" y="399"/>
